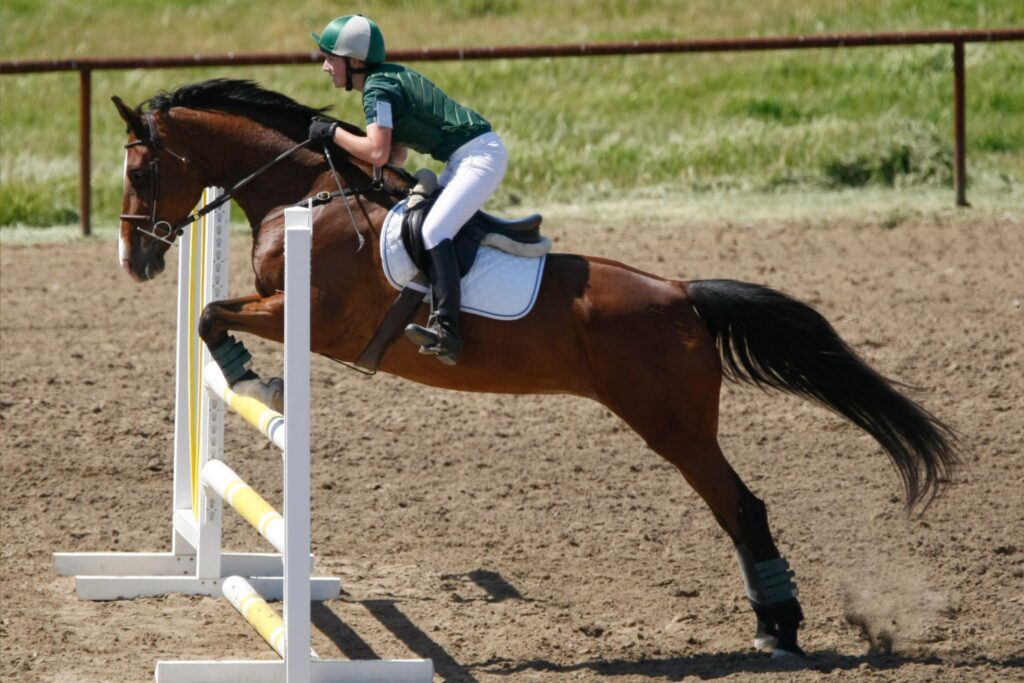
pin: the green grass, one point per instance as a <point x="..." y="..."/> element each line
<point x="578" y="129"/>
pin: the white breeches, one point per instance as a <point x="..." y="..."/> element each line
<point x="471" y="175"/>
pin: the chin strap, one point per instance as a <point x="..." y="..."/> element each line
<point x="349" y="70"/>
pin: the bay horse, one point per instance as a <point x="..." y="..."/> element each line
<point x="652" y="350"/>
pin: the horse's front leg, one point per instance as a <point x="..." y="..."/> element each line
<point x="254" y="314"/>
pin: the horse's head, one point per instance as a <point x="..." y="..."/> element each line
<point x="160" y="188"/>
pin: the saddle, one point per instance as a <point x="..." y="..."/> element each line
<point x="520" y="237"/>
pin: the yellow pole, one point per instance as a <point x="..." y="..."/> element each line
<point x="261" y="616"/>
<point x="268" y="421"/>
<point x="194" y="379"/>
<point x="256" y="611"/>
<point x="244" y="499"/>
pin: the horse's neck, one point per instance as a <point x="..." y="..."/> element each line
<point x="229" y="149"/>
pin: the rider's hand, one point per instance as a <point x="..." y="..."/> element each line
<point x="322" y="131"/>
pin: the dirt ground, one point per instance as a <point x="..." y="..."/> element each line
<point x="536" y="539"/>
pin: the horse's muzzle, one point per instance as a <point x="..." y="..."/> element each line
<point x="145" y="268"/>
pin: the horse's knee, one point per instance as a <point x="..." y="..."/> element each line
<point x="208" y="329"/>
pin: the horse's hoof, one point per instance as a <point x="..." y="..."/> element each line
<point x="275" y="387"/>
<point x="270" y="394"/>
<point x="765" y="643"/>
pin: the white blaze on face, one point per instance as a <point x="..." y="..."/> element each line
<point x="122" y="243"/>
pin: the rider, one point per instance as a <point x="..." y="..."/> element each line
<point x="403" y="109"/>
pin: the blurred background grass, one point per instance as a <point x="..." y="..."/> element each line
<point x="743" y="125"/>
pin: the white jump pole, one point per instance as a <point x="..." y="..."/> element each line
<point x="269" y="422"/>
<point x="255" y="610"/>
<point x="298" y="241"/>
<point x="251" y="505"/>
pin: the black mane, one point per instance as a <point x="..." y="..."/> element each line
<point x="247" y="98"/>
<point x="242" y="97"/>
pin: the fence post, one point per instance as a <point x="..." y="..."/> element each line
<point x="959" y="127"/>
<point x="84" y="147"/>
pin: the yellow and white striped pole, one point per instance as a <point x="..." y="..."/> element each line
<point x="251" y="505"/>
<point x="261" y="616"/>
<point x="256" y="611"/>
<point x="268" y="421"/>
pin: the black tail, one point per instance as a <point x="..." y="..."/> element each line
<point x="771" y="340"/>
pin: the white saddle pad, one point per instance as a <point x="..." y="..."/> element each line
<point x="499" y="285"/>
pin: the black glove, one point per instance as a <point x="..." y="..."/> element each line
<point x="321" y="130"/>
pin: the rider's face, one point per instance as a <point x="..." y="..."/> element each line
<point x="335" y="66"/>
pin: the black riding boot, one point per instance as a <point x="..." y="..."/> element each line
<point x="441" y="337"/>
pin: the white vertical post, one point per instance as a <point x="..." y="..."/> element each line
<point x="180" y="545"/>
<point x="214" y="283"/>
<point x="198" y="422"/>
<point x="298" y="234"/>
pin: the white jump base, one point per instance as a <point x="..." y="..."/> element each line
<point x="126" y="576"/>
<point x="197" y="565"/>
<point x="364" y="671"/>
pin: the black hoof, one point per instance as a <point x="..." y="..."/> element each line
<point x="777" y="629"/>
<point x="767" y="637"/>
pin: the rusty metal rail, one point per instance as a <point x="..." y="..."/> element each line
<point x="85" y="66"/>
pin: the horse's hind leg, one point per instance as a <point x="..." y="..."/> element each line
<point x="254" y="314"/>
<point x="671" y="400"/>
<point x="769" y="581"/>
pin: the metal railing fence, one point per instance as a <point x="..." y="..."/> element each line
<point x="956" y="38"/>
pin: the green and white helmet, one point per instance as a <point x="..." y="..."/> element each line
<point x="352" y="35"/>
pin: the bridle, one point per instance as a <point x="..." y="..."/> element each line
<point x="157" y="229"/>
<point x="161" y="229"/>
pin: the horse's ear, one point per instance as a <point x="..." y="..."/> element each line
<point x="133" y="119"/>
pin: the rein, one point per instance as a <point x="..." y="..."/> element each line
<point x="377" y="184"/>
<point x="166" y="232"/>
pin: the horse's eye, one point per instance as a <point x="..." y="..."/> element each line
<point x="137" y="176"/>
